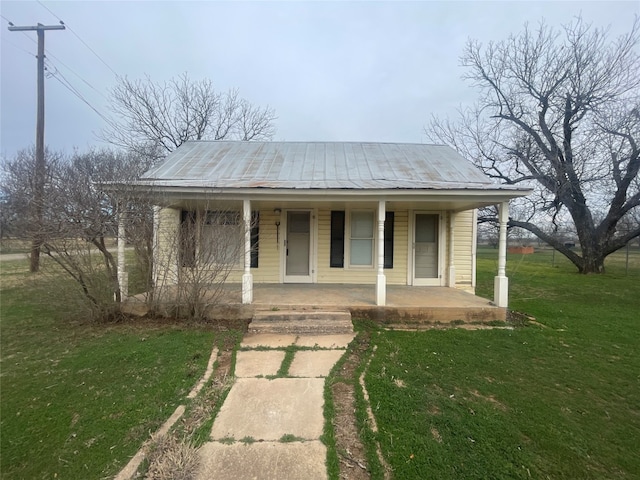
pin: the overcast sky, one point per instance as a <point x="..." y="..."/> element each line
<point x="333" y="71"/>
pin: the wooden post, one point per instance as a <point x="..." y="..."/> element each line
<point x="247" y="278"/>
<point x="40" y="166"/>
<point x="501" y="282"/>
<point x="123" y="278"/>
<point x="381" y="281"/>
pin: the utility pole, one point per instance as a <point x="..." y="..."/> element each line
<point x="40" y="167"/>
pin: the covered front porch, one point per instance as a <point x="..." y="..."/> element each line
<point x="409" y="305"/>
<point x="405" y="304"/>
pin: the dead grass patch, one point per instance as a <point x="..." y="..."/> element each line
<point x="491" y="399"/>
<point x="351" y="450"/>
<point x="399" y="383"/>
<point x="436" y="434"/>
<point x="172" y="459"/>
<point x="175" y="455"/>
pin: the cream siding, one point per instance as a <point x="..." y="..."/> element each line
<point x="463" y="249"/>
<point x="365" y="275"/>
<point x="165" y="259"/>
<point x="268" y="270"/>
<point x="270" y="245"/>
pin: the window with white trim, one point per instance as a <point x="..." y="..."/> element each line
<point x="339" y="238"/>
<point x="361" y="239"/>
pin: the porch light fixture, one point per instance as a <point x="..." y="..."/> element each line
<point x="277" y="211"/>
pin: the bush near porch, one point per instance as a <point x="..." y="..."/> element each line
<point x="555" y="400"/>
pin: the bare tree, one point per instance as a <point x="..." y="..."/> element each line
<point x="196" y="256"/>
<point x="156" y="118"/>
<point x="25" y="189"/>
<point x="560" y="111"/>
<point x="79" y="220"/>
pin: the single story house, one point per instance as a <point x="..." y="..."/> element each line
<point x="330" y="212"/>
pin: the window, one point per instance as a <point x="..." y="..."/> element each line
<point x="336" y="254"/>
<point x="222" y="239"/>
<point x="361" y="239"/>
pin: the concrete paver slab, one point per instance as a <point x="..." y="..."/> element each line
<point x="253" y="363"/>
<point x="263" y="461"/>
<point x="326" y="341"/>
<point x="273" y="340"/>
<point x="314" y="363"/>
<point x="268" y="409"/>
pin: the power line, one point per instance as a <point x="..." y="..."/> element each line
<point x="78" y="37"/>
<point x="23" y="33"/>
<point x="67" y="84"/>
<point x="49" y="54"/>
<point x="31" y="54"/>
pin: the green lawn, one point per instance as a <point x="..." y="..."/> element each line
<point x="560" y="400"/>
<point x="78" y="399"/>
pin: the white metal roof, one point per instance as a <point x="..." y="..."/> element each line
<point x="318" y="165"/>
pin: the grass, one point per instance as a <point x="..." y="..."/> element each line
<point x="560" y="400"/>
<point x="14" y="245"/>
<point x="78" y="399"/>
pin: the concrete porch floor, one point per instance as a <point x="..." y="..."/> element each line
<point x="359" y="296"/>
<point x="405" y="304"/>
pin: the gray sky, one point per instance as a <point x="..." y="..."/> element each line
<point x="333" y="71"/>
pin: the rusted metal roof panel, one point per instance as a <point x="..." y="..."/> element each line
<point x="317" y="165"/>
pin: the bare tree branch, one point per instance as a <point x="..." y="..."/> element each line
<point x="559" y="111"/>
<point x="156" y="118"/>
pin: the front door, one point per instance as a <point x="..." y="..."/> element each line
<point x="297" y="245"/>
<point x="426" y="266"/>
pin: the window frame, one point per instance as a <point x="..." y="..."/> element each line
<point x="349" y="238"/>
<point x="339" y="230"/>
<point x="226" y="219"/>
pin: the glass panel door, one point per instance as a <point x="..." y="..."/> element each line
<point x="426" y="246"/>
<point x="298" y="245"/>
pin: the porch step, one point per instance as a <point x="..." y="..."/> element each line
<point x="303" y="322"/>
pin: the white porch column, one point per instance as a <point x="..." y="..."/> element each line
<point x="501" y="282"/>
<point x="156" y="246"/>
<point x="247" y="278"/>
<point x="381" y="281"/>
<point x="452" y="266"/>
<point x="123" y="276"/>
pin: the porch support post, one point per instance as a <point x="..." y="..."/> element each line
<point x="501" y="282"/>
<point x="123" y="277"/>
<point x="156" y="246"/>
<point x="381" y="281"/>
<point x="247" y="278"/>
<point x="452" y="266"/>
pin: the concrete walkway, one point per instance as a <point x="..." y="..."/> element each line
<point x="269" y="428"/>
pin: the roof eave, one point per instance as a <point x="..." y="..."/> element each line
<point x="497" y="193"/>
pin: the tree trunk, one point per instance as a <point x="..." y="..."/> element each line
<point x="592" y="260"/>
<point x="34" y="258"/>
<point x="592" y="264"/>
